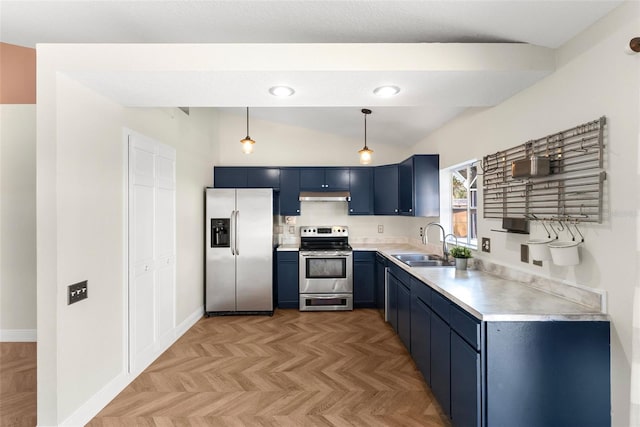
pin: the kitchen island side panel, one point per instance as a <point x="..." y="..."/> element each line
<point x="546" y="374"/>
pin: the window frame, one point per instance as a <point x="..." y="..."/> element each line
<point x="446" y="203"/>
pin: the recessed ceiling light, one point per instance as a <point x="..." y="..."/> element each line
<point x="386" y="91"/>
<point x="281" y="91"/>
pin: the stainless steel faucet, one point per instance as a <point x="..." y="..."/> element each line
<point x="445" y="252"/>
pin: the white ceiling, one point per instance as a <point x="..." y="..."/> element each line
<point x="401" y="120"/>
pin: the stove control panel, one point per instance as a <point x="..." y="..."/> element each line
<point x="324" y="231"/>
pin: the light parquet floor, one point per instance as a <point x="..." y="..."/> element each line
<point x="292" y="369"/>
<point x="18" y="384"/>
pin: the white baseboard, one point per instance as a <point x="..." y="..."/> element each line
<point x="18" y="335"/>
<point x="98" y="401"/>
<point x="189" y="322"/>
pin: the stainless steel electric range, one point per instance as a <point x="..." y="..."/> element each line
<point x="326" y="269"/>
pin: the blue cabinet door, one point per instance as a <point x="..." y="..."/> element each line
<point x="287" y="278"/>
<point x="381" y="265"/>
<point x="289" y="191"/>
<point x="324" y="179"/>
<point x="441" y="362"/>
<point x="392" y="301"/>
<point x="229" y="177"/>
<point x="405" y="190"/>
<point x="404" y="314"/>
<point x="361" y="190"/>
<point x="263" y="178"/>
<point x="465" y="383"/>
<point x="385" y="189"/>
<point x="548" y="374"/>
<point x="312" y="179"/>
<point x="364" y="269"/>
<point x="336" y="179"/>
<point x="421" y="336"/>
<point x="419" y="180"/>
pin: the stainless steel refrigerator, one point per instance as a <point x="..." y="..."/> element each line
<point x="238" y="251"/>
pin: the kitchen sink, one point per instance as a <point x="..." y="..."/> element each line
<point x="421" y="260"/>
<point x="427" y="263"/>
<point x="415" y="257"/>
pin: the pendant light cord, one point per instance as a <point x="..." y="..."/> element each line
<point x="247" y="121"/>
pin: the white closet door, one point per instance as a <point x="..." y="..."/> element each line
<point x="165" y="243"/>
<point x="151" y="249"/>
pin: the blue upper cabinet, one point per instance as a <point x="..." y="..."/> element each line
<point x="263" y="178"/>
<point x="250" y="177"/>
<point x="289" y="191"/>
<point x="385" y="184"/>
<point x="324" y="179"/>
<point x="361" y="190"/>
<point x="229" y="177"/>
<point x="419" y="186"/>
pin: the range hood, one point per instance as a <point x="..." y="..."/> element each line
<point x="324" y="196"/>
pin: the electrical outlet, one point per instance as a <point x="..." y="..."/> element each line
<point x="292" y="229"/>
<point x="537" y="262"/>
<point x="486" y="244"/>
<point x="380" y="228"/>
<point x="421" y="232"/>
<point x="524" y="253"/>
<point x="77" y="292"/>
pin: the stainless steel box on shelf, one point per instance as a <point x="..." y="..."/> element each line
<point x="531" y="167"/>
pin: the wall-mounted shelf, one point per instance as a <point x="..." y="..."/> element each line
<point x="571" y="192"/>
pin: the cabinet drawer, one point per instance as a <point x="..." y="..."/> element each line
<point x="466" y="326"/>
<point x="401" y="275"/>
<point x="421" y="291"/>
<point x="291" y="256"/>
<point x="441" y="306"/>
<point x="364" y="256"/>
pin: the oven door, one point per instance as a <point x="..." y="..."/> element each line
<point x="326" y="302"/>
<point x="326" y="272"/>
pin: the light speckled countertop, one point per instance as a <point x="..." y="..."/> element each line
<point x="486" y="296"/>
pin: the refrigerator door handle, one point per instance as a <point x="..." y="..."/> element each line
<point x="237" y="232"/>
<point x="232" y="233"/>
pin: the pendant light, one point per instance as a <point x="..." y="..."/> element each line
<point x="365" y="153"/>
<point x="247" y="142"/>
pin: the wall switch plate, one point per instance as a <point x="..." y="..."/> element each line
<point x="77" y="292"/>
<point x="486" y="244"/>
<point x="380" y="228"/>
<point x="538" y="263"/>
<point x="292" y="229"/>
<point x="524" y="253"/>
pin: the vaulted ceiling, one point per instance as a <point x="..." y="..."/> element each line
<point x="323" y="101"/>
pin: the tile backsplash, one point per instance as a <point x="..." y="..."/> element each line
<point x="360" y="226"/>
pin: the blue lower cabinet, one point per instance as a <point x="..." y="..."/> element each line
<point x="441" y="362"/>
<point x="421" y="335"/>
<point x="548" y="374"/>
<point x="364" y="283"/>
<point x="465" y="383"/>
<point x="287" y="279"/>
<point x="404" y="314"/>
<point x="381" y="265"/>
<point x="392" y="301"/>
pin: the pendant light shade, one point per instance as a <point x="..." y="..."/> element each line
<point x="247" y="142"/>
<point x="365" y="152"/>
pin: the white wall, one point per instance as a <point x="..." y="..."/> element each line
<point x="594" y="77"/>
<point x="17" y="222"/>
<point x="283" y="145"/>
<point x="88" y="210"/>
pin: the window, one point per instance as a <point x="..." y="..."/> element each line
<point x="459" y="207"/>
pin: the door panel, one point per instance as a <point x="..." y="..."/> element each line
<point x="254" y="290"/>
<point x="220" y="292"/>
<point x="151" y="243"/>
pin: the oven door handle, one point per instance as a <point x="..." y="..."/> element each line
<point x="321" y="254"/>
<point x="337" y="296"/>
